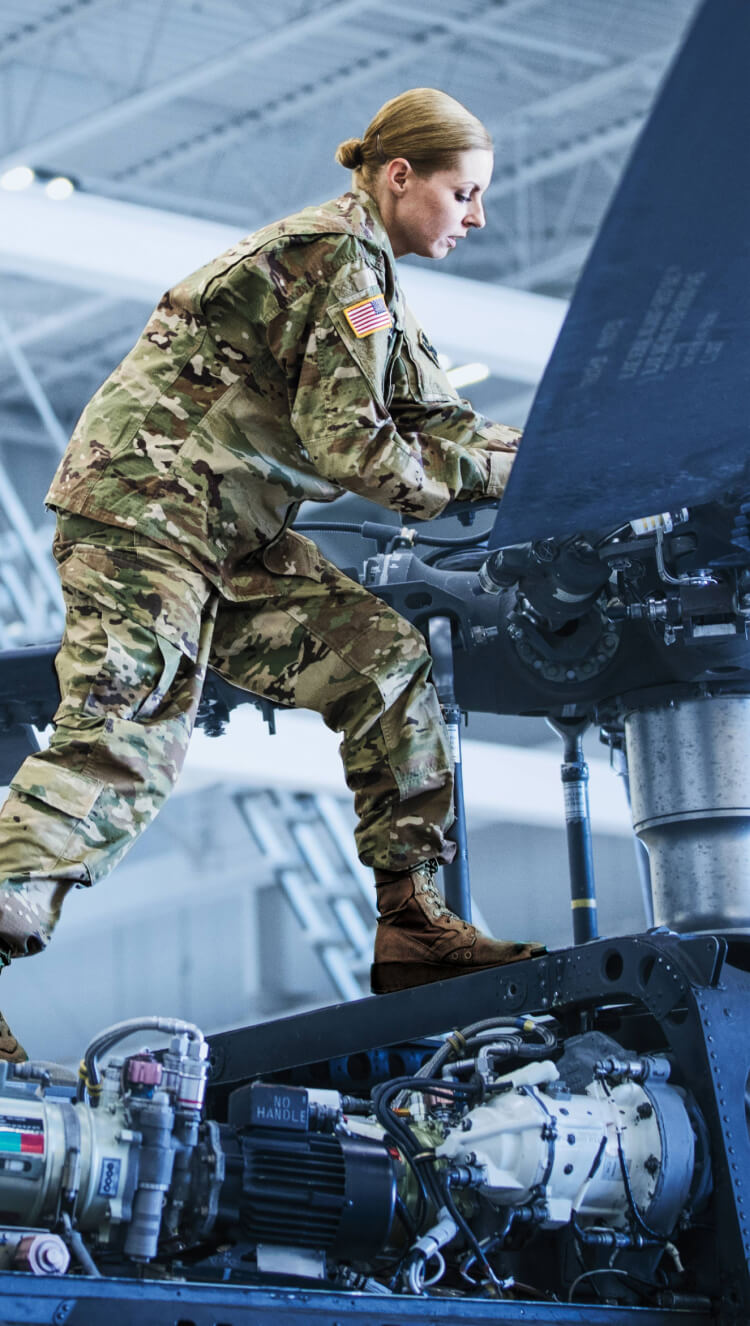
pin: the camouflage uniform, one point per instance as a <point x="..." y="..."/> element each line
<point x="253" y="388"/>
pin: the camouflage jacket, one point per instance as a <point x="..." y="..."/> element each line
<point x="288" y="369"/>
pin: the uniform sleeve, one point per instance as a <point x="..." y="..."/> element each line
<point x="372" y="418"/>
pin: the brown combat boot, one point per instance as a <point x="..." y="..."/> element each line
<point x="29" y="912"/>
<point x="10" y="1049"/>
<point x="419" y="939"/>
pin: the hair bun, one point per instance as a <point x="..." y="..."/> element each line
<point x="349" y="153"/>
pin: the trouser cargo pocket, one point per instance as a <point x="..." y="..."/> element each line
<point x="130" y="668"/>
<point x="44" y="810"/>
<point x="72" y="793"/>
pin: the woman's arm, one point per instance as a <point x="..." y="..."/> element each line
<point x="369" y="419"/>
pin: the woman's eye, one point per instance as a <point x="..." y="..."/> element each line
<point x="463" y="198"/>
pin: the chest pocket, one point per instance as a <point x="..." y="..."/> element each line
<point x="427" y="380"/>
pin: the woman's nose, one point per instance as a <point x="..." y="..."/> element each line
<point x="476" y="217"/>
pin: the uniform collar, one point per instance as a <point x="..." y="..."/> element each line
<point x="363" y="217"/>
<point x="359" y="211"/>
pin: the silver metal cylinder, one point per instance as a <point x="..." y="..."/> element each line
<point x="689" y="766"/>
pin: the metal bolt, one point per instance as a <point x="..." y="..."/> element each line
<point x="42" y="1254"/>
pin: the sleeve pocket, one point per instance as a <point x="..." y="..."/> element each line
<point x="63" y="789"/>
<point x="370" y="353"/>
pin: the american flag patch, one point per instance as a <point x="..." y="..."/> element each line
<point x="368" y="316"/>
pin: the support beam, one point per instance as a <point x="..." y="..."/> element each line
<point x="137" y="253"/>
<point x="50" y="24"/>
<point x="500" y="34"/>
<point x="31" y="439"/>
<point x="48" y="149"/>
<point x="93" y="243"/>
<point x="346" y="81"/>
<point x="558" y="266"/>
<point x="33" y="387"/>
<point x="46" y="329"/>
<point x="39" y="558"/>
<point x="206" y="206"/>
<point x="566" y="156"/>
<point x="81" y="362"/>
<point x="645" y="71"/>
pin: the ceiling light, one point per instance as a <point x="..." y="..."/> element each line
<point x="59" y="188"/>
<point x="465" y="374"/>
<point x="17" y="178"/>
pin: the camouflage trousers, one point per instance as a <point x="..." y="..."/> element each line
<point x="142" y="626"/>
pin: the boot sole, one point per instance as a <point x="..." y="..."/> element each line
<point x="389" y="977"/>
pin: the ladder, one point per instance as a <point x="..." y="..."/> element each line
<point x="308" y="844"/>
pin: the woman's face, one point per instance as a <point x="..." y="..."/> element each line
<point x="429" y="214"/>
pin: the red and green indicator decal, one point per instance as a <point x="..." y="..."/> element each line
<point x="21" y="1136"/>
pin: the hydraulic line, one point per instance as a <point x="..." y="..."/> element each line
<point x="370" y="529"/>
<point x="89" y="1078"/>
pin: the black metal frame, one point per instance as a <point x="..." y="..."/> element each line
<point x="688" y="994"/>
<point x="45" y="1301"/>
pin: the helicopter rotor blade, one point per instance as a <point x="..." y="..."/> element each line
<point x="645" y="403"/>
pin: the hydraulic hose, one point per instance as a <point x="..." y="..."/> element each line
<point x="370" y="529"/>
<point x="89" y="1077"/>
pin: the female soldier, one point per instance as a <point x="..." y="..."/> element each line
<point x="289" y="369"/>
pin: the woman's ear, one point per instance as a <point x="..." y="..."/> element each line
<point x="397" y="172"/>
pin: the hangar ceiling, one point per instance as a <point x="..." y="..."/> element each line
<point x="228" y="112"/>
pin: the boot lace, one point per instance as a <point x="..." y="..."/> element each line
<point x="434" y="898"/>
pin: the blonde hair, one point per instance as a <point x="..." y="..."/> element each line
<point x="424" y="125"/>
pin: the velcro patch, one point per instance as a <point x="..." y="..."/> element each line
<point x="368" y="316"/>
